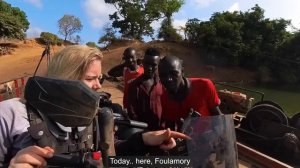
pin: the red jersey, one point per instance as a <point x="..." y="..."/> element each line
<point x="144" y="105"/>
<point x="129" y="76"/>
<point x="202" y="98"/>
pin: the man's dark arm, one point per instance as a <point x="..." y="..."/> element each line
<point x="132" y="101"/>
<point x="216" y="111"/>
<point x="116" y="71"/>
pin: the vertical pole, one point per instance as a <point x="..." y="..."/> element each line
<point x="17" y="89"/>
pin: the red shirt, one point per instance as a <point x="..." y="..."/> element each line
<point x="129" y="76"/>
<point x="202" y="98"/>
<point x="143" y="105"/>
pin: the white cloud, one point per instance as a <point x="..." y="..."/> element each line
<point x="178" y="24"/>
<point x="203" y="3"/>
<point x="98" y="12"/>
<point x="234" y="7"/>
<point x="33" y="32"/>
<point x="36" y="3"/>
<point x="286" y="9"/>
<point x="156" y="24"/>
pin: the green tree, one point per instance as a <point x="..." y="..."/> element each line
<point x="192" y="31"/>
<point x="109" y="35"/>
<point x="249" y="40"/>
<point x="225" y="38"/>
<point x="169" y="7"/>
<point x="91" y="44"/>
<point x="261" y="37"/>
<point x="13" y="21"/>
<point x="69" y="25"/>
<point x="167" y="31"/>
<point x="47" y="37"/>
<point x="286" y="65"/>
<point x="134" y="17"/>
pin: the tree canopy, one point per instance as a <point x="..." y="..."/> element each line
<point x="249" y="40"/>
<point x="68" y="25"/>
<point x="134" y="17"/>
<point x="167" y="31"/>
<point x="13" y="21"/>
<point x="109" y="35"/>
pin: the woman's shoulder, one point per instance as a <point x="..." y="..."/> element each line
<point x="13" y="108"/>
<point x="12" y="102"/>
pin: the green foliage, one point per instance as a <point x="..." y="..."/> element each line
<point x="47" y="37"/>
<point x="193" y="30"/>
<point x="168" y="32"/>
<point x="59" y="42"/>
<point x="134" y="17"/>
<point x="288" y="60"/>
<point x="168" y="7"/>
<point x="13" y="21"/>
<point x="250" y="40"/>
<point x="92" y="44"/>
<point x="109" y="35"/>
<point x="261" y="36"/>
<point x="69" y="25"/>
<point x="290" y="50"/>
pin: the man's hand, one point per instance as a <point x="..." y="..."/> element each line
<point x="165" y="139"/>
<point x="30" y="157"/>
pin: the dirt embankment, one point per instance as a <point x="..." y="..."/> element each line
<point x="23" y="60"/>
<point x="193" y="65"/>
<point x="26" y="55"/>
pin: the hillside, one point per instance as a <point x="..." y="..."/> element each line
<point x="26" y="55"/>
<point x="194" y="66"/>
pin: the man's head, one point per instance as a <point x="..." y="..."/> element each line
<point x="130" y="58"/>
<point x="77" y="63"/>
<point x="151" y="61"/>
<point x="171" y="73"/>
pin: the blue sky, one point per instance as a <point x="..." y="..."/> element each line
<point x="44" y="14"/>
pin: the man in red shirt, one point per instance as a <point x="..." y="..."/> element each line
<point x="182" y="94"/>
<point x="131" y="70"/>
<point x="145" y="91"/>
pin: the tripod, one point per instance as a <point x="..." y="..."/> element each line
<point x="46" y="53"/>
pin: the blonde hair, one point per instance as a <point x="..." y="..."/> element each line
<point x="72" y="62"/>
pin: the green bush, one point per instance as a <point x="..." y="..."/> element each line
<point x="91" y="44"/>
<point x="59" y="42"/>
<point x="46" y="37"/>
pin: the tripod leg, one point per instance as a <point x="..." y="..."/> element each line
<point x="38" y="65"/>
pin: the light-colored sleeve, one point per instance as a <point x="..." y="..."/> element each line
<point x="13" y="129"/>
